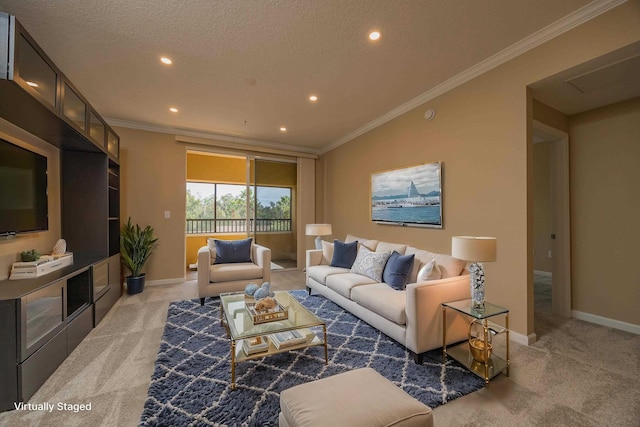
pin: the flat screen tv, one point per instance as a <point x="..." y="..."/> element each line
<point x="23" y="190"/>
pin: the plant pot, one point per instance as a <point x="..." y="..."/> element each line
<point x="135" y="285"/>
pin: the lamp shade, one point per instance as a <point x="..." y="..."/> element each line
<point x="476" y="249"/>
<point x="318" y="229"/>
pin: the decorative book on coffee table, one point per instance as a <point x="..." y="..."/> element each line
<point x="288" y="338"/>
<point x="255" y="345"/>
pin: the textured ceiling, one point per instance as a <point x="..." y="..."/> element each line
<point x="246" y="67"/>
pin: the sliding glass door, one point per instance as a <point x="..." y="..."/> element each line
<point x="272" y="185"/>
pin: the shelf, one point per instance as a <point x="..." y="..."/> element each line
<point x="462" y="354"/>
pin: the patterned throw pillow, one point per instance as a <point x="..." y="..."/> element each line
<point x="396" y="272"/>
<point x="344" y="254"/>
<point x="370" y="264"/>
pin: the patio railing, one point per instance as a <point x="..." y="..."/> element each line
<point x="208" y="226"/>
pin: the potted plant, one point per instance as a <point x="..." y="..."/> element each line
<point x="136" y="245"/>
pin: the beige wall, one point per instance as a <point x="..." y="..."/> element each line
<point x="482" y="134"/>
<point x="605" y="209"/>
<point x="153" y="174"/>
<point x="542" y="212"/>
<point x="42" y="241"/>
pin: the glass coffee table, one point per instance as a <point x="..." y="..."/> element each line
<point x="240" y="326"/>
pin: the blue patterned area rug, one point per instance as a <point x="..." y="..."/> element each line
<point x="191" y="381"/>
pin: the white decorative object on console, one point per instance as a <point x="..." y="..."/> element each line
<point x="60" y="247"/>
<point x="475" y="249"/>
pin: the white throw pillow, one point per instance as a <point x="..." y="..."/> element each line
<point x="327" y="253"/>
<point x="429" y="271"/>
<point x="370" y="264"/>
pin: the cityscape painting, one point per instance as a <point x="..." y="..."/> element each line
<point x="410" y="196"/>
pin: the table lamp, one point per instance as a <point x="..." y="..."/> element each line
<point x="318" y="230"/>
<point x="475" y="250"/>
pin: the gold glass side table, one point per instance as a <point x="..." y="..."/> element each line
<point x="493" y="364"/>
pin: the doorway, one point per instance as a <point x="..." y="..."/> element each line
<point x="232" y="197"/>
<point x="552" y="222"/>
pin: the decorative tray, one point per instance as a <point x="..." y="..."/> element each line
<point x="276" y="313"/>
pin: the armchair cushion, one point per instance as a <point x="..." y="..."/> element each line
<point x="235" y="271"/>
<point x="233" y="251"/>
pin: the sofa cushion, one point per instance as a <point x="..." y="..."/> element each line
<point x="344" y="283"/>
<point x="344" y="254"/>
<point x="234" y="271"/>
<point x="382" y="299"/>
<point x="390" y="247"/>
<point x="370" y="244"/>
<point x="327" y="253"/>
<point x="396" y="272"/>
<point x="233" y="251"/>
<point x="448" y="265"/>
<point x="370" y="264"/>
<point x="319" y="273"/>
<point x="429" y="271"/>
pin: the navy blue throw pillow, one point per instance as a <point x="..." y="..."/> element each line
<point x="396" y="272"/>
<point x="230" y="251"/>
<point x="344" y="254"/>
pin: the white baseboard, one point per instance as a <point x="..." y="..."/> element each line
<point x="523" y="339"/>
<point x="165" y="281"/>
<point x="543" y="273"/>
<point x="605" y="321"/>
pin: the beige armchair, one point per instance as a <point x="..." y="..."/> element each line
<point x="214" y="279"/>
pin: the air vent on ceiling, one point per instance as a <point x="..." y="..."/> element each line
<point x="626" y="70"/>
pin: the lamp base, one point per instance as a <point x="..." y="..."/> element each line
<point x="477" y="284"/>
<point x="318" y="242"/>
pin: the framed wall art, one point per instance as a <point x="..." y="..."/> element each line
<point x="408" y="197"/>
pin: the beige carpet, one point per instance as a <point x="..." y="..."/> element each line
<point x="577" y="374"/>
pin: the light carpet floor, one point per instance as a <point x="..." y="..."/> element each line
<point x="577" y="374"/>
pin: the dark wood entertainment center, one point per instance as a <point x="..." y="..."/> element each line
<point x="43" y="319"/>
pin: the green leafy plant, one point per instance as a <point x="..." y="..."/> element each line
<point x="30" y="255"/>
<point x="136" y="246"/>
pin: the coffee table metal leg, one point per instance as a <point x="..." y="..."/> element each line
<point x="326" y="353"/>
<point x="233" y="364"/>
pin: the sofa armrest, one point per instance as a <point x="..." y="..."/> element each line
<point x="314" y="257"/>
<point x="204" y="262"/>
<point x="424" y="312"/>
<point x="262" y="258"/>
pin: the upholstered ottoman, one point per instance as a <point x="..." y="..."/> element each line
<point x="361" y="397"/>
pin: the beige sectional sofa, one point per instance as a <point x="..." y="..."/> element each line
<point x="413" y="316"/>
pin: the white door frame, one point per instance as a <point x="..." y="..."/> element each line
<point x="561" y="205"/>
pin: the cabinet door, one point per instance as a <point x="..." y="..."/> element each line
<point x="42" y="316"/>
<point x="113" y="144"/>
<point x="74" y="107"/>
<point x="33" y="70"/>
<point x="97" y="129"/>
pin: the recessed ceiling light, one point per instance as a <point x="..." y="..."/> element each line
<point x="166" y="60"/>
<point x="313" y="98"/>
<point x="173" y="109"/>
<point x="32" y="84"/>
<point x="374" y="35"/>
<point x="283" y="129"/>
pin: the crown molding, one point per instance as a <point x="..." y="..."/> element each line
<point x="211" y="136"/>
<point x="549" y="32"/>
